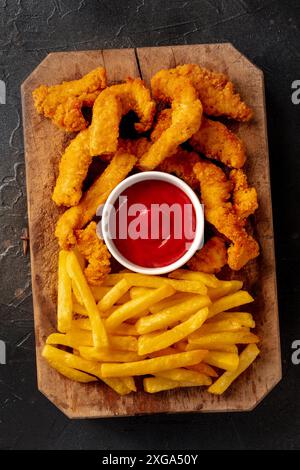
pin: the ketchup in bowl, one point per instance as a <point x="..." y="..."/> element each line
<point x="155" y="223"/>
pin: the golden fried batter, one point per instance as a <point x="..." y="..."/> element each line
<point x="63" y="103"/>
<point x="95" y="252"/>
<point x="78" y="216"/>
<point x="211" y="258"/>
<point x="213" y="139"/>
<point x="73" y="169"/>
<point x="181" y="165"/>
<point x="186" y="116"/>
<point x="219" y="211"/>
<point x="215" y="91"/>
<point x="111" y="105"/>
<point x="244" y="197"/>
<point x="216" y="141"/>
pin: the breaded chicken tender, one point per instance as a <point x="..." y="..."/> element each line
<point x="244" y="197"/>
<point x="215" y="91"/>
<point x="78" y="216"/>
<point x="216" y="141"/>
<point x="181" y="165"/>
<point x="213" y="139"/>
<point x="73" y="168"/>
<point x="185" y="119"/>
<point x="211" y="258"/>
<point x="215" y="195"/>
<point x="63" y="103"/>
<point x="95" y="252"/>
<point x="111" y="105"/>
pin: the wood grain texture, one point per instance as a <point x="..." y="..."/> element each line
<point x="44" y="144"/>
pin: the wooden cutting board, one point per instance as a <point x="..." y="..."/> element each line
<point x="44" y="144"/>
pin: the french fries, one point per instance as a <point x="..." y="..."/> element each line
<point x="99" y="332"/>
<point x="180" y="329"/>
<point x="64" y="294"/>
<point x="245" y="360"/>
<point x="149" y="343"/>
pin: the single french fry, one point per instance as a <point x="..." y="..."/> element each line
<point x="123" y="343"/>
<point x="60" y="339"/>
<point x="171" y="301"/>
<point x="231" y="348"/>
<point x="138" y="291"/>
<point x="231" y="337"/>
<point x="209" y="280"/>
<point x="113" y="295"/>
<point x="229" y="301"/>
<point x="130" y="383"/>
<point x="246" y="358"/>
<point x="76" y="295"/>
<point x="159" y="384"/>
<point x="222" y="360"/>
<point x="171" y="315"/>
<point x="151" y="343"/>
<point x="80" y="257"/>
<point x="142" y="280"/>
<point x="136" y="306"/>
<point x="224" y="288"/>
<point x="217" y="327"/>
<point x="107" y="355"/>
<point x="64" y="294"/>
<point x="99" y="332"/>
<point x="151" y="366"/>
<point x="204" y="369"/>
<point x="243" y="318"/>
<point x="185" y="375"/>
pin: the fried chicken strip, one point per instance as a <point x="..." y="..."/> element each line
<point x="215" y="195"/>
<point x="244" y="197"/>
<point x="216" y="141"/>
<point x="63" y="103"/>
<point x="181" y="165"/>
<point x="216" y="92"/>
<point x="185" y="119"/>
<point x="73" y="168"/>
<point x="211" y="258"/>
<point x="111" y="105"/>
<point x="213" y="139"/>
<point x="95" y="252"/>
<point x="78" y="216"/>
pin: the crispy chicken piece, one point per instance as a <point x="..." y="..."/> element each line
<point x="95" y="252"/>
<point x="181" y="164"/>
<point x="78" y="216"/>
<point x="244" y="197"/>
<point x="215" y="195"/>
<point x="185" y="121"/>
<point x="63" y="103"/>
<point x="216" y="92"/>
<point x="216" y="141"/>
<point x="213" y="139"/>
<point x="211" y="258"/>
<point x="73" y="169"/>
<point x="111" y="105"/>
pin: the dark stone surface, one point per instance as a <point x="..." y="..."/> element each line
<point x="268" y="33"/>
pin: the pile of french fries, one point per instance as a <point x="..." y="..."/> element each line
<point x="178" y="331"/>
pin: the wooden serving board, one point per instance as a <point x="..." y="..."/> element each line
<point x="44" y="145"/>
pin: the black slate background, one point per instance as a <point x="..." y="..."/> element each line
<point x="268" y="33"/>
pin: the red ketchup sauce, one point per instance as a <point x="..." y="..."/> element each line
<point x="143" y="237"/>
